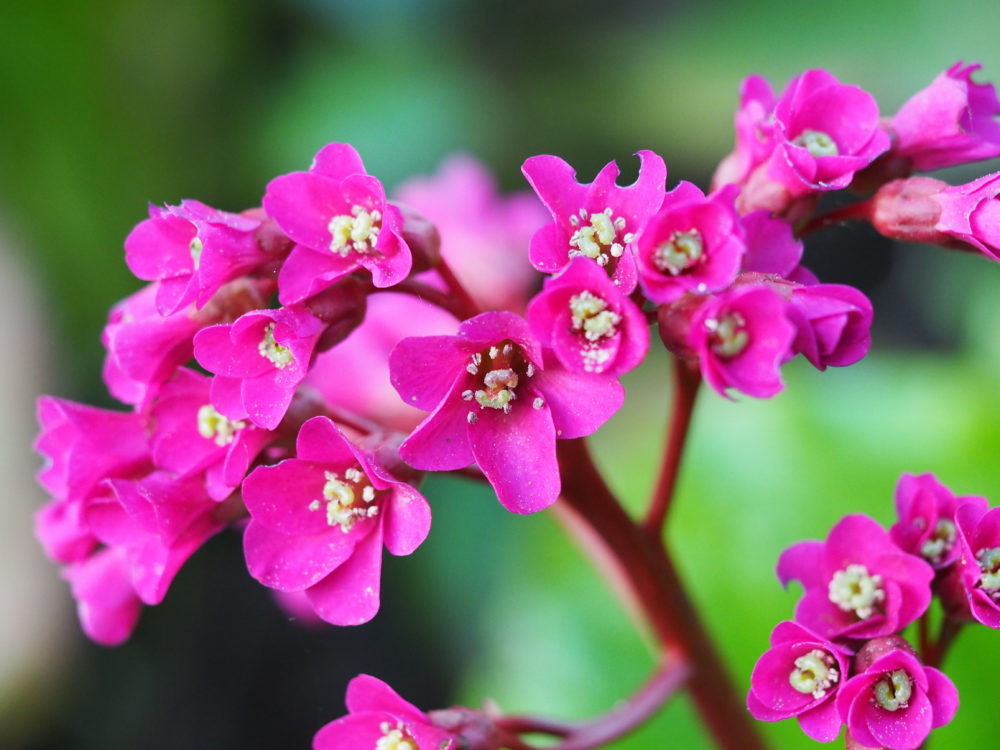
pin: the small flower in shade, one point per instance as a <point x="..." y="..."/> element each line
<point x="952" y="121"/>
<point x="894" y="701"/>
<point x="483" y="234"/>
<point x="319" y="520"/>
<point x="741" y="337"/>
<point x="832" y="324"/>
<point x="493" y="400"/>
<point x="858" y="583"/>
<point x="379" y="719"/>
<point x="192" y="250"/>
<point x="692" y="243"/>
<point x="754" y="128"/>
<point x="339" y="217"/>
<point x="824" y="132"/>
<point x="190" y="436"/>
<point x="599" y="221"/>
<point x="926" y="526"/>
<point x="771" y="247"/>
<point x="799" y="676"/>
<point x="922" y="209"/>
<point x="267" y="353"/>
<point x="979" y="562"/>
<point x="588" y="322"/>
<point x="106" y="603"/>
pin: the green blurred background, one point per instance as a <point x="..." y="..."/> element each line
<point x="109" y="104"/>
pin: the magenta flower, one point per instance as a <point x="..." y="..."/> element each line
<point x="771" y="247"/>
<point x="483" y="234"/>
<point x="190" y="436"/>
<point x="381" y="720"/>
<point x="599" y="221"/>
<point x="740" y="337"/>
<point x="926" y="526"/>
<point x="858" y="583"/>
<point x="979" y="561"/>
<point x="588" y="322"/>
<point x="952" y="121"/>
<point x="896" y="701"/>
<point x="192" y="250"/>
<point x="692" y="243"/>
<point x="832" y="324"/>
<point x="341" y="221"/>
<point x="493" y="400"/>
<point x="106" y="603"/>
<point x="319" y="520"/>
<point x="799" y="676"/>
<point x="268" y="353"/>
<point x="754" y="130"/>
<point x="825" y="131"/>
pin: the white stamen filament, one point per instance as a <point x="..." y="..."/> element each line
<point x="213" y="426"/>
<point x="280" y="356"/>
<point x="679" y="253"/>
<point x="894" y="690"/>
<point x="814" y="673"/>
<point x="854" y="589"/>
<point x="357" y="232"/>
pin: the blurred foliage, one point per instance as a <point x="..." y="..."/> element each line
<point x="113" y="103"/>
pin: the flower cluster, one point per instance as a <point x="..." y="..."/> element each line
<point x="843" y="660"/>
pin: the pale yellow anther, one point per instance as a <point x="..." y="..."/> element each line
<point x="195" y="248"/>
<point x="941" y="541"/>
<point x="682" y="251"/>
<point x="729" y="335"/>
<point x="989" y="562"/>
<point x="598" y="238"/>
<point x="817" y="143"/>
<point x="591" y="316"/>
<point x="894" y="690"/>
<point x="280" y="356"/>
<point x="214" y="426"/>
<point x="854" y="589"/>
<point x="394" y="739"/>
<point x="357" y="232"/>
<point x="814" y="673"/>
<point x="340" y="499"/>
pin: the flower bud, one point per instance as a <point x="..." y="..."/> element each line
<point x="422" y="236"/>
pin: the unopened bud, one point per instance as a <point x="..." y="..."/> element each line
<point x="422" y="237"/>
<point x="879" y="647"/>
<point x="907" y="210"/>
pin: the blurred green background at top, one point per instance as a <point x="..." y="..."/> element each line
<point x="110" y="104"/>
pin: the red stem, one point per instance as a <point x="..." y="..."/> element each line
<point x="463" y="299"/>
<point x="448" y="302"/>
<point x="687" y="378"/>
<point x="855" y="211"/>
<point x="650" y="572"/>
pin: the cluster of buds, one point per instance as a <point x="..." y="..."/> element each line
<point x="843" y="661"/>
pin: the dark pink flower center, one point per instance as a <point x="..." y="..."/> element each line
<point x="728" y="334"/>
<point x="599" y="236"/>
<point x="497" y="373"/>
<point x="347" y="498"/>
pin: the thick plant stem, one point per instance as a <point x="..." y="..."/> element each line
<point x="464" y="300"/>
<point x="687" y="378"/>
<point x="657" y="587"/>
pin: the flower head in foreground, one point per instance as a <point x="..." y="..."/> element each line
<point x="495" y="400"/>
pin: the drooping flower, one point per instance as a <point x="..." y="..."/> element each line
<point x="832" y="324"/>
<point x="952" y="121"/>
<point x="588" y="322"/>
<point x="771" y="246"/>
<point x="341" y="221"/>
<point x="379" y="719"/>
<point x="192" y="250"/>
<point x="926" y="526"/>
<point x="858" y="583"/>
<point x="896" y="701"/>
<point x="494" y="400"/>
<point x="319" y="520"/>
<point x="599" y="221"/>
<point x="106" y="604"/>
<point x="260" y="359"/>
<point x="979" y="560"/>
<point x="799" y="676"/>
<point x="692" y="243"/>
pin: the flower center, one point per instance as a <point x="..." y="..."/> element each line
<point x="280" y="356"/>
<point x="212" y="425"/>
<point x="894" y="690"/>
<point x="814" y="673"/>
<point x="941" y="541"/>
<point x="855" y="590"/>
<point x="195" y="248"/>
<point x="395" y="739"/>
<point x="592" y="318"/>
<point x="816" y="142"/>
<point x="498" y="371"/>
<point x="680" y="252"/>
<point x="357" y="232"/>
<point x="728" y="335"/>
<point x="989" y="562"/>
<point x="596" y="236"/>
<point x="347" y="500"/>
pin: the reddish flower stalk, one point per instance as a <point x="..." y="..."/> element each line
<point x="462" y="301"/>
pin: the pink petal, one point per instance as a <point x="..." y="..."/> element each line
<point x="294" y="562"/>
<point x="350" y="594"/>
<point x="407" y="521"/>
<point x="337" y="160"/>
<point x="367" y="693"/>
<point x="579" y="404"/>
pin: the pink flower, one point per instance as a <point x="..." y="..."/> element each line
<point x="319" y="520"/>
<point x="588" y="322"/>
<point x="799" y="676"/>
<point x="267" y="354"/>
<point x="379" y="719"/>
<point x="952" y="121"/>
<point x="926" y="526"/>
<point x="692" y="243"/>
<point x="771" y="247"/>
<point x="754" y="128"/>
<point x="979" y="561"/>
<point x="833" y="324"/>
<point x="896" y="701"/>
<point x="493" y="400"/>
<point x="339" y="216"/>
<point x="192" y="250"/>
<point x="824" y="132"/>
<point x="599" y="221"/>
<point x="106" y="603"/>
<point x="858" y="583"/>
<point x="741" y="337"/>
<point x="190" y="436"/>
<point x="483" y="234"/>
